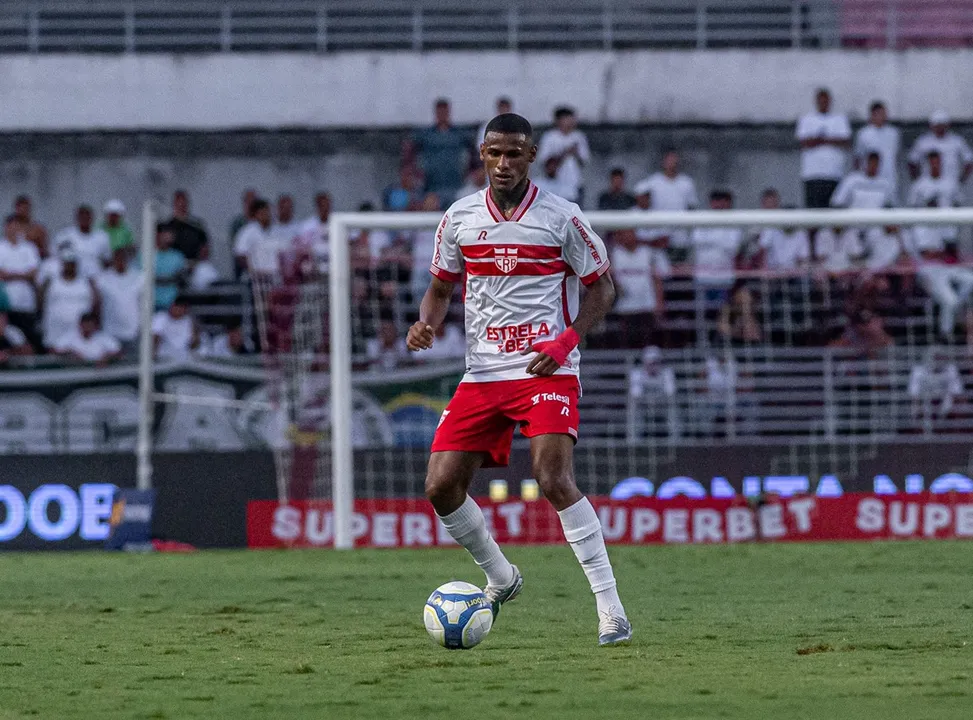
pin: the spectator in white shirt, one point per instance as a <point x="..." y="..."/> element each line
<point x="638" y="271"/>
<point x="476" y="179"/>
<point x="368" y="246"/>
<point x="716" y="250"/>
<point x="869" y="190"/>
<point x="651" y="394"/>
<point x="13" y="342"/>
<point x="837" y="249"/>
<point x="866" y="190"/>
<point x="880" y="137"/>
<point x="752" y="256"/>
<point x="386" y="351"/>
<point x="120" y="287"/>
<point x="950" y="286"/>
<point x="89" y="344"/>
<point x="286" y="229"/>
<point x="671" y="190"/>
<point x="934" y="386"/>
<point x="783" y="249"/>
<point x="549" y="181"/>
<point x="504" y="105"/>
<point x="313" y="239"/>
<point x="957" y="157"/>
<point x="227" y="344"/>
<point x="255" y="247"/>
<point x="882" y="246"/>
<point x="238" y="223"/>
<point x="569" y="146"/>
<point x="934" y="189"/>
<point x="19" y="263"/>
<point x="719" y="403"/>
<point x="824" y="137"/>
<point x="90" y="243"/>
<point x="175" y="332"/>
<point x="66" y="297"/>
<point x="204" y="273"/>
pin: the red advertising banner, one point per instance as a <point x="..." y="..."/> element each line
<point x="640" y="521"/>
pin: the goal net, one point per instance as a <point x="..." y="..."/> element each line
<point x="817" y="358"/>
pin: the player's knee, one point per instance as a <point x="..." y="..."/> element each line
<point x="559" y="488"/>
<point x="444" y="492"/>
<point x="437" y="487"/>
<point x="555" y="478"/>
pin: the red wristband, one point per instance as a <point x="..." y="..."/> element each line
<point x="560" y="347"/>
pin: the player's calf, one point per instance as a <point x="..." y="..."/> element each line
<point x="448" y="478"/>
<point x="552" y="464"/>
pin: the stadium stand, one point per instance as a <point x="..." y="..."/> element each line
<point x="785" y="354"/>
<point x="305" y="25"/>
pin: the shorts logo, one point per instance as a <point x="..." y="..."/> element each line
<point x="505" y="258"/>
<point x="549" y="397"/>
<point x="442" y="417"/>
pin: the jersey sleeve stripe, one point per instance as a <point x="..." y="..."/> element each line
<point x="445" y="275"/>
<point x="527" y="252"/>
<point x="521" y="268"/>
<point x="591" y="277"/>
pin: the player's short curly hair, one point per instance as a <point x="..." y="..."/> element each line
<point x="510" y="123"/>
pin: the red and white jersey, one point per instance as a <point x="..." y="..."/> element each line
<point x="521" y="276"/>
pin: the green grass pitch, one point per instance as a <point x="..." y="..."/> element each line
<point x="752" y="631"/>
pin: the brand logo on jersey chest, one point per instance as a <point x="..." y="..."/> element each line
<point x="505" y="258"/>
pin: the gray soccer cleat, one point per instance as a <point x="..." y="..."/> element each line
<point x="613" y="629"/>
<point x="500" y="595"/>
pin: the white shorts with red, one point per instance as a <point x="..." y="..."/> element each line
<point x="481" y="416"/>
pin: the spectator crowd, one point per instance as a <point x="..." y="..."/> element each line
<point x="77" y="293"/>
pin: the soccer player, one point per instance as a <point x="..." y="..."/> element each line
<point x="524" y="252"/>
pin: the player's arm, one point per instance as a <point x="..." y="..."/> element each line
<point x="598" y="300"/>
<point x="587" y="256"/>
<point x="432" y="313"/>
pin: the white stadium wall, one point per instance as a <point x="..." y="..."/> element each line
<point x="81" y="92"/>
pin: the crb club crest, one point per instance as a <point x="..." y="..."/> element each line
<point x="505" y="258"/>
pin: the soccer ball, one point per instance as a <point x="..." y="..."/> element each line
<point x="458" y="615"/>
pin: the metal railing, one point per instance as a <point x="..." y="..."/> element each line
<point x="901" y="24"/>
<point x="773" y="395"/>
<point x="120" y="26"/>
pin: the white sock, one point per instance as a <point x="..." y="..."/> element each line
<point x="582" y="530"/>
<point x="467" y="527"/>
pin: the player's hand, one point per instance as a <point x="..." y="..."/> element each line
<point x="420" y="337"/>
<point x="542" y="364"/>
<point x="551" y="354"/>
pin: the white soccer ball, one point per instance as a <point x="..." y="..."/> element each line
<point x="458" y="615"/>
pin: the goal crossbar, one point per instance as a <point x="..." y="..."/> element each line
<point x="340" y="224"/>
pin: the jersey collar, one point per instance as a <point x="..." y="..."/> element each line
<point x="521" y="209"/>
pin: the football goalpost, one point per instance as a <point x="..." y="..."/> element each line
<point x="323" y="446"/>
<point x="340" y="277"/>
